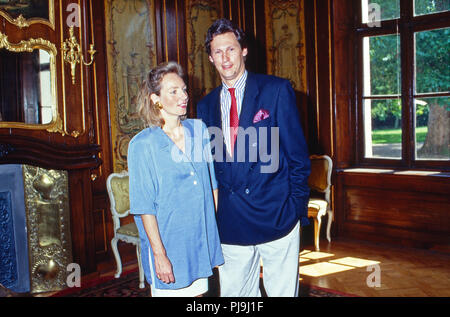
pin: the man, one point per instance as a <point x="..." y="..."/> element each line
<point x="260" y="205"/>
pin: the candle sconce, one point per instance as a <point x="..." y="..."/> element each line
<point x="73" y="55"/>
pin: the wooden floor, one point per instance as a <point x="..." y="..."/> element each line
<point x="403" y="272"/>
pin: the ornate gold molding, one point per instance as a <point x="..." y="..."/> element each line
<point x="28" y="45"/>
<point x="21" y="22"/>
<point x="56" y="126"/>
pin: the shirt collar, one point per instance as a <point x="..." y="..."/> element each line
<point x="239" y="84"/>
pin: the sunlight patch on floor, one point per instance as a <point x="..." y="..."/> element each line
<point x="315" y="255"/>
<point x="323" y="268"/>
<point x="356" y="262"/>
<point x="304" y="252"/>
<point x="303" y="260"/>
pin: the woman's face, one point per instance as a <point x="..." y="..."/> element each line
<point x="173" y="96"/>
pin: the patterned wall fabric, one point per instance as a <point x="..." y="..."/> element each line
<point x="131" y="50"/>
<point x="285" y="38"/>
<point x="200" y="14"/>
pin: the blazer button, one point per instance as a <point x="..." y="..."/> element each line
<point x="247" y="191"/>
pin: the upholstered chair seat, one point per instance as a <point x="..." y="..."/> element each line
<point x="118" y="192"/>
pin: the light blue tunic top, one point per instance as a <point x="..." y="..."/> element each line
<point x="177" y="188"/>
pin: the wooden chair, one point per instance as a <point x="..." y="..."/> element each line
<point x="118" y="191"/>
<point x="319" y="203"/>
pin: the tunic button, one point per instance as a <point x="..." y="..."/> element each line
<point x="247" y="191"/>
<point x="195" y="182"/>
<point x="192" y="173"/>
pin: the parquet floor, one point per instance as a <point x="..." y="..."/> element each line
<point x="403" y="272"/>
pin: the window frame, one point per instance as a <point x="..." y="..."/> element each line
<point x="405" y="26"/>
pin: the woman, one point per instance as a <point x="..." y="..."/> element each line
<point x="173" y="189"/>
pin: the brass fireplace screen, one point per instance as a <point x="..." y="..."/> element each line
<point x="46" y="207"/>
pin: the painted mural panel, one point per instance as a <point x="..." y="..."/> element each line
<point x="285" y="31"/>
<point x="27" y="8"/>
<point x="130" y="36"/>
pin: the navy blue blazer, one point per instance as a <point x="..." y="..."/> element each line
<point x="256" y="206"/>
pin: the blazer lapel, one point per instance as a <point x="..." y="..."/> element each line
<point x="248" y="110"/>
<point x="249" y="103"/>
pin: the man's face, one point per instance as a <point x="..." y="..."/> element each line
<point x="228" y="57"/>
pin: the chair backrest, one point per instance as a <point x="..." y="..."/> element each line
<point x="118" y="192"/>
<point x="320" y="178"/>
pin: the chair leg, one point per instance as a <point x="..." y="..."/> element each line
<point x="317" y="223"/>
<point x="141" y="270"/>
<point x="117" y="257"/>
<point x="330" y="220"/>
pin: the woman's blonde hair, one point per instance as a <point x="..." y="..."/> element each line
<point x="148" y="111"/>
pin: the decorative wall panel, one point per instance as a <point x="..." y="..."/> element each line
<point x="285" y="38"/>
<point x="26" y="12"/>
<point x="200" y="14"/>
<point x="48" y="217"/>
<point x="131" y="51"/>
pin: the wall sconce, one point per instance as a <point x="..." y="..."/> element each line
<point x="73" y="55"/>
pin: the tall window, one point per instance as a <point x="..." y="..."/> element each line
<point x="404" y="83"/>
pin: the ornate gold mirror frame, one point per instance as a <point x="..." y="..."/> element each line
<point x="28" y="46"/>
<point x="21" y="22"/>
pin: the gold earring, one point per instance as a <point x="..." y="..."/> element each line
<point x="158" y="105"/>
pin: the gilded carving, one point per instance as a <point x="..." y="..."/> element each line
<point x="27" y="46"/>
<point x="48" y="218"/>
<point x="130" y="57"/>
<point x="73" y="54"/>
<point x="56" y="126"/>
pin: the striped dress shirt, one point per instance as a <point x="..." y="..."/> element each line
<point x="225" y="105"/>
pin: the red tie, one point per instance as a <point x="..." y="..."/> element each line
<point x="234" y="119"/>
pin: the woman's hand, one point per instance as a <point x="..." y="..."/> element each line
<point x="163" y="269"/>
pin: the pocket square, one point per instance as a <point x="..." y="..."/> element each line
<point x="261" y="115"/>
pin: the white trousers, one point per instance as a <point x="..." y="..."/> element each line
<point x="239" y="276"/>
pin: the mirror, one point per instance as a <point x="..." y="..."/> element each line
<point x="27" y="84"/>
<point x="25" y="87"/>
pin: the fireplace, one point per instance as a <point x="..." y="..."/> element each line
<point x="14" y="264"/>
<point x="35" y="239"/>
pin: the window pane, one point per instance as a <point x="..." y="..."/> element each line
<point x="383" y="128"/>
<point x="430" y="6"/>
<point x="382" y="73"/>
<point x="379" y="10"/>
<point x="432" y="58"/>
<point x="433" y="128"/>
